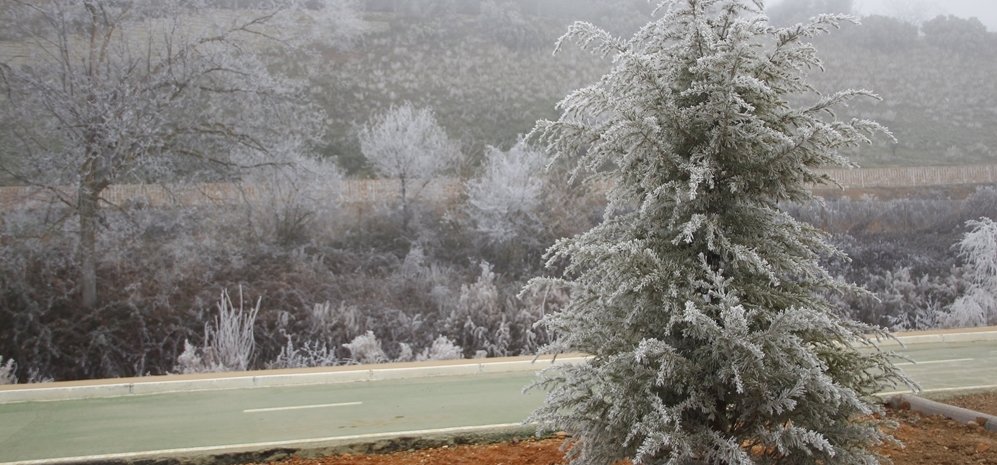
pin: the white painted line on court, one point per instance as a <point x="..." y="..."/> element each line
<point x="935" y="362"/>
<point x="259" y="445"/>
<point x="300" y="407"/>
<point x="949" y="389"/>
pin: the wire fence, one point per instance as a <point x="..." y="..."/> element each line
<point x="352" y="192"/>
<point x="368" y="193"/>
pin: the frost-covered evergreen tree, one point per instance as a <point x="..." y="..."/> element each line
<point x="978" y="248"/>
<point x="702" y="302"/>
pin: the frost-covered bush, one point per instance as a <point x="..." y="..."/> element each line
<point x="405" y="353"/>
<point x="309" y="354"/>
<point x="293" y="200"/>
<point x="442" y="349"/>
<point x="479" y="314"/>
<point x="504" y="201"/>
<point x="228" y="342"/>
<point x="702" y="302"/>
<point x="407" y="144"/>
<point x="978" y="249"/>
<point x="329" y="323"/>
<point x="8" y="371"/>
<point x="899" y="299"/>
<point x="366" y="349"/>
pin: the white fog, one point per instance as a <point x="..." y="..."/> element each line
<point x="382" y="218"/>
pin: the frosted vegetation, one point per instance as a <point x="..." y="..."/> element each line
<point x="504" y="202"/>
<point x="703" y="304"/>
<point x="276" y="98"/>
<point x="8" y="371"/>
<point x="407" y="144"/>
<point x="978" y="306"/>
<point x="228" y="340"/>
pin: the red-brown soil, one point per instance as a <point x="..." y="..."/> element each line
<point x="986" y="402"/>
<point x="928" y="441"/>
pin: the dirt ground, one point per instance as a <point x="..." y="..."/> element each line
<point x="928" y="440"/>
<point x="986" y="402"/>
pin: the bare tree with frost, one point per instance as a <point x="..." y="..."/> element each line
<point x="504" y="200"/>
<point x="978" y="249"/>
<point x="701" y="302"/>
<point x="100" y="92"/>
<point x="408" y="144"/>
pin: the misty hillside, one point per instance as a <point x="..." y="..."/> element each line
<point x="488" y="73"/>
<point x="485" y="66"/>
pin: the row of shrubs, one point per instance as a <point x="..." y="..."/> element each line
<point x="222" y="288"/>
<point x="288" y="279"/>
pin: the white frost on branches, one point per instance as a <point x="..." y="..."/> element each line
<point x="366" y="349"/>
<point x="408" y="144"/>
<point x="978" y="249"/>
<point x="107" y="92"/>
<point x="442" y="349"/>
<point x="504" y="200"/>
<point x="8" y="371"/>
<point x="228" y="343"/>
<point x="702" y="303"/>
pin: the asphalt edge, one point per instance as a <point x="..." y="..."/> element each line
<point x="168" y="384"/>
<point x="239" y="456"/>
<point x="910" y="339"/>
<point x="165" y="385"/>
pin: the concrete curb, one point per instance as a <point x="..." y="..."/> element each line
<point x="388" y="443"/>
<point x="221" y="381"/>
<point x="261" y="379"/>
<point x="941" y="337"/>
<point x="930" y="407"/>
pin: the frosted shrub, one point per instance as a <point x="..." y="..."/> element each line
<point x="418" y="273"/>
<point x="228" y="343"/>
<point x="310" y="354"/>
<point x="978" y="249"/>
<point x="295" y="197"/>
<point x="409" y="145"/>
<point x="366" y="349"/>
<point x="189" y="361"/>
<point x="405" y="353"/>
<point x="413" y="266"/>
<point x="478" y="310"/>
<point x="482" y="297"/>
<point x="317" y="24"/>
<point x="498" y="345"/>
<point x="700" y="301"/>
<point x="442" y="349"/>
<point x="8" y="371"/>
<point x="503" y="202"/>
<point x="328" y="323"/>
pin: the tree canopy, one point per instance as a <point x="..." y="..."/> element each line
<point x="703" y="304"/>
<point x="144" y="91"/>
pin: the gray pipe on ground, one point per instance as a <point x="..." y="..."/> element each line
<point x="930" y="407"/>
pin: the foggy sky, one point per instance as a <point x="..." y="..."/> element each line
<point x="985" y="10"/>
